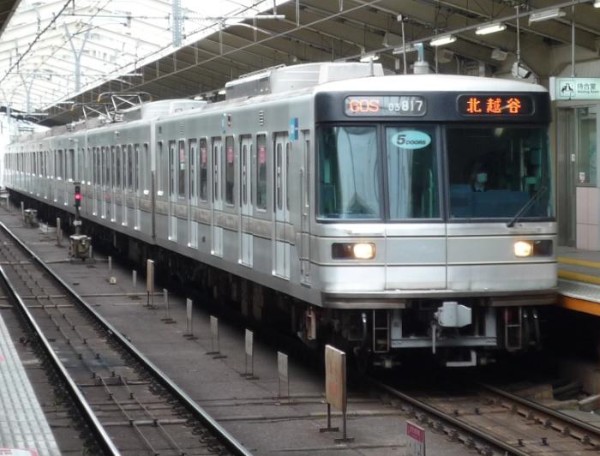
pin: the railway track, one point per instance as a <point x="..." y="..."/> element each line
<point x="127" y="404"/>
<point x="495" y="422"/>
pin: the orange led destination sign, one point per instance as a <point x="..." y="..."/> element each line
<point x="495" y="105"/>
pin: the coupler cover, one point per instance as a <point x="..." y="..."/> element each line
<point x="453" y="315"/>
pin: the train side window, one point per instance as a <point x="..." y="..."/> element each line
<point x="172" y="166"/>
<point x="261" y="171"/>
<point x="71" y="165"/>
<point x="108" y="175"/>
<point x="229" y="170"/>
<point x="84" y="164"/>
<point x="95" y="167"/>
<point x="216" y="142"/>
<point x="203" y="186"/>
<point x="98" y="165"/>
<point x="145" y="177"/>
<point x="161" y="169"/>
<point x="193" y="158"/>
<point x="129" y="183"/>
<point x="181" y="169"/>
<point x="59" y="164"/>
<point x="288" y="148"/>
<point x="246" y="151"/>
<point x="278" y="177"/>
<point x="117" y="166"/>
<point x="136" y="168"/>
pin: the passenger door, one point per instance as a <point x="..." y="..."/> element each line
<point x="246" y="237"/>
<point x="281" y="244"/>
<point x="126" y="182"/>
<point x="172" y="188"/>
<point x="217" y="206"/>
<point x="305" y="179"/>
<point x="192" y="190"/>
<point x="137" y="167"/>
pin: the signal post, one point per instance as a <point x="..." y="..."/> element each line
<point x="80" y="243"/>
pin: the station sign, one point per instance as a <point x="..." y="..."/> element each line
<point x="574" y="89"/>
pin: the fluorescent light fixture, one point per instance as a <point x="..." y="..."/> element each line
<point x="406" y="49"/>
<point x="597" y="4"/>
<point x="369" y="57"/>
<point x="490" y="28"/>
<point x="545" y="15"/>
<point x="442" y="40"/>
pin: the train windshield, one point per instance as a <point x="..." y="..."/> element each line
<point x="349" y="173"/>
<point x="374" y="172"/>
<point x="412" y="172"/>
<point x="497" y="172"/>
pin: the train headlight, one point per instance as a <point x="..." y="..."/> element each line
<point x="353" y="251"/>
<point x="523" y="249"/>
<point x="364" y="251"/>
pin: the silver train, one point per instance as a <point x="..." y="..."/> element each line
<point x="392" y="216"/>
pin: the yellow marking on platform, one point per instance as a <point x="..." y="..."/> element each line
<point x="580" y="305"/>
<point x="576" y="262"/>
<point x="579" y="277"/>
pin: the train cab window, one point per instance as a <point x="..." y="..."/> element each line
<point x="496" y="171"/>
<point x="261" y="172"/>
<point x="412" y="173"/>
<point x="349" y="173"/>
<point x="229" y="170"/>
<point x="203" y="185"/>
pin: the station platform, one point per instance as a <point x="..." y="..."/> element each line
<point x="24" y="430"/>
<point x="579" y="280"/>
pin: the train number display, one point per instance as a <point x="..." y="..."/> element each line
<point x="399" y="105"/>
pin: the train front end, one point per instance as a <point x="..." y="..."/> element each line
<point x="434" y="218"/>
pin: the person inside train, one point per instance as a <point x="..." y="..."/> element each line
<point x="479" y="178"/>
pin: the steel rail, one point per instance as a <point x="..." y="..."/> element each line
<point x="509" y="449"/>
<point x="224" y="437"/>
<point x="101" y="434"/>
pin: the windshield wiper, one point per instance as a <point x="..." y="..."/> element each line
<point x="526" y="206"/>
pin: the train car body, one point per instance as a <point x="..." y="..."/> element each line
<point x="389" y="215"/>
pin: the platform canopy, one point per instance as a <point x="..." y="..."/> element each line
<point x="52" y="50"/>
<point x="59" y="58"/>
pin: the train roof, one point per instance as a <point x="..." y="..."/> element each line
<point x="283" y="78"/>
<point x="430" y="83"/>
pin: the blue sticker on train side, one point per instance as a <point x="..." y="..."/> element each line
<point x="411" y="139"/>
<point x="293" y="131"/>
